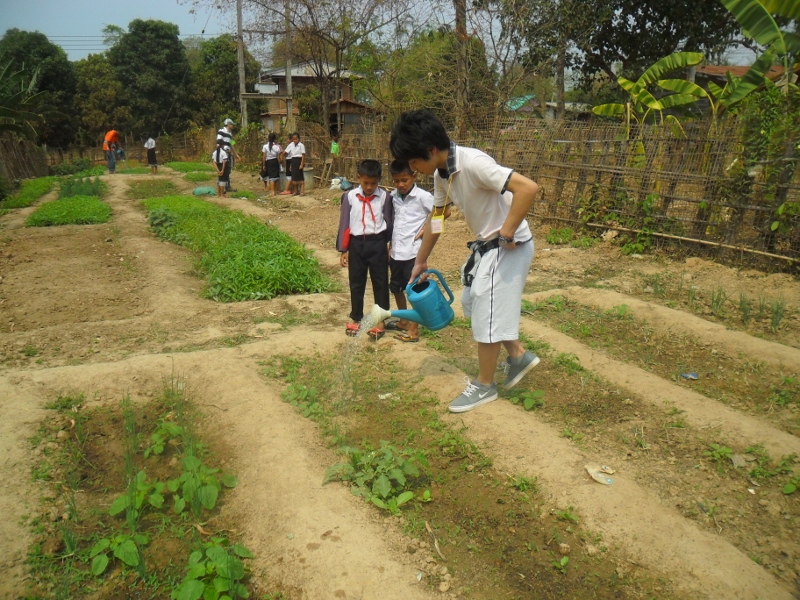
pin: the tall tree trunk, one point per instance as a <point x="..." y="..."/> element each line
<point x="561" y="63"/>
<point x="462" y="74"/>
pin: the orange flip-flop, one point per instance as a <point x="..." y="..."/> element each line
<point x="376" y="333"/>
<point x="404" y="337"/>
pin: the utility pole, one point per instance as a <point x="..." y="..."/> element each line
<point x="240" y="48"/>
<point x="288" y="44"/>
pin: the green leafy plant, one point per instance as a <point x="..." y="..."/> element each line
<point x="745" y="306"/>
<point x="81" y="187"/>
<point x="561" y="564"/>
<point x="197" y="176"/>
<point x="568" y="514"/>
<point x="778" y="311"/>
<point x="584" y="242"/>
<point x="718" y="299"/>
<point x="523" y="484"/>
<point x="559" y="236"/>
<point x="719" y="453"/>
<point x="165" y="431"/>
<point x="198" y="486"/>
<point x="530" y="400"/>
<point x="215" y="572"/>
<point x="122" y="546"/>
<point x="382" y="476"/>
<point x="143" y="490"/>
<point x="791" y="486"/>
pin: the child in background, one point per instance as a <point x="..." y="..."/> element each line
<point x="150" y="145"/>
<point x="296" y="152"/>
<point x="412" y="205"/>
<point x="365" y="230"/>
<point x="271" y="167"/>
<point x="219" y="158"/>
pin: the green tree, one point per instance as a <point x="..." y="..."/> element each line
<point x="150" y="63"/>
<point x="98" y="99"/>
<point x="624" y="37"/>
<point x="32" y="52"/>
<point x="21" y="110"/>
<point x="215" y="80"/>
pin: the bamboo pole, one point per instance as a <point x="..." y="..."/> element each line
<point x="680" y="238"/>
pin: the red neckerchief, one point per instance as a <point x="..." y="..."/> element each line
<point x="365" y="202"/>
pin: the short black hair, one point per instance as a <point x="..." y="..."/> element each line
<point x="400" y="166"/>
<point x="415" y="132"/>
<point x="370" y="168"/>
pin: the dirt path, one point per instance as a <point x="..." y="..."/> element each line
<point x="107" y="309"/>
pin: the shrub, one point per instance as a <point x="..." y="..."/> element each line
<point x="76" y="210"/>
<point x="243" y="258"/>
<point x="82" y="164"/>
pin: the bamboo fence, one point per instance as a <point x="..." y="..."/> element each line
<point x="694" y="186"/>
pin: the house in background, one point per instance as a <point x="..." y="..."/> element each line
<point x="272" y="87"/>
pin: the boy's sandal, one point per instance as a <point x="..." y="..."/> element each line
<point x="376" y="333"/>
<point x="404" y="337"/>
<point x="352" y="329"/>
<point x="394" y="326"/>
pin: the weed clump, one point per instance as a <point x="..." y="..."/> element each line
<point x="243" y="258"/>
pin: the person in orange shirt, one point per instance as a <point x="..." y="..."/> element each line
<point x="110" y="145"/>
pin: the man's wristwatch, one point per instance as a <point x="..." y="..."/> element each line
<point x="505" y="240"/>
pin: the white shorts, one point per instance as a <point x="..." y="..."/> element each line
<point x="494" y="300"/>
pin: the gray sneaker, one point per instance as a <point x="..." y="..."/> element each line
<point x="514" y="373"/>
<point x="473" y="396"/>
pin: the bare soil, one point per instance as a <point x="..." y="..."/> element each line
<point x="108" y="310"/>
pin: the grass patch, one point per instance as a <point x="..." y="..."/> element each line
<point x="189" y="167"/>
<point x="243" y="258"/>
<point x="198" y="176"/>
<point x="247" y="194"/>
<point x="151" y="188"/>
<point x="77" y="210"/>
<point x="30" y="191"/>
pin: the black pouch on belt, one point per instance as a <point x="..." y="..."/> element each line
<point x="470" y="268"/>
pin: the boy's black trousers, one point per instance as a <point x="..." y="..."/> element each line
<point x="368" y="254"/>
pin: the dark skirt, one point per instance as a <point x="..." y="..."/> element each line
<point x="273" y="169"/>
<point x="151" y="157"/>
<point x="297" y="172"/>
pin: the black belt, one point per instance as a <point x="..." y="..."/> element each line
<point x="370" y="237"/>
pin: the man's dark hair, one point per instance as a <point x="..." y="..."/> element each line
<point x="370" y="168"/>
<point x="400" y="166"/>
<point x="415" y="132"/>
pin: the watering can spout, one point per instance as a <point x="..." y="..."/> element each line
<point x="429" y="306"/>
<point x="378" y="314"/>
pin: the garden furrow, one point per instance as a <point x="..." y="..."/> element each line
<point x="316" y="539"/>
<point x="701" y="412"/>
<point x="663" y="318"/>
<point x="629" y="516"/>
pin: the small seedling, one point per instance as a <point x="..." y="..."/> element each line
<point x="778" y="311"/>
<point x="719" y="453"/>
<point x="215" y="571"/>
<point x="559" y="236"/>
<point x="620" y="312"/>
<point x="571" y="435"/>
<point x="718" y="299"/>
<point x="791" y="486"/>
<point x="568" y="515"/>
<point x="561" y="565"/>
<point x="762" y="307"/>
<point x="744" y="307"/>
<point x="531" y="400"/>
<point x="523" y="484"/>
<point x="122" y="546"/>
<point x="691" y="297"/>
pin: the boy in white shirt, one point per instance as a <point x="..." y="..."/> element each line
<point x="365" y="230"/>
<point x="412" y="205"/>
<point x="220" y="160"/>
<point x="494" y="201"/>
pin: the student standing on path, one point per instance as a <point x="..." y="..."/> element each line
<point x="225" y="135"/>
<point x="412" y="205"/>
<point x="271" y="167"/>
<point x="296" y="151"/>
<point x="222" y="163"/>
<point x="365" y="230"/>
<point x="110" y="145"/>
<point x="150" y="146"/>
<point x="494" y="201"/>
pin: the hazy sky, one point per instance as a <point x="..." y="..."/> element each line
<point x="77" y="25"/>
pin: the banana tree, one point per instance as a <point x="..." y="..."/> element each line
<point x="20" y="104"/>
<point x="642" y="105"/>
<point x="758" y="23"/>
